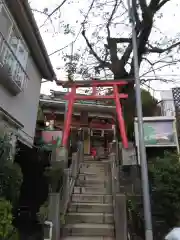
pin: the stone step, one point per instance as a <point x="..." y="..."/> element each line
<point x="91" y="207"/>
<point x="87" y="229"/>
<point x="96" y="164"/>
<point x="87" y="238"/>
<point x="89" y="218"/>
<point x="101" y="161"/>
<point x="92" y="176"/>
<point x="93" y="190"/>
<point x="89" y="198"/>
<point x="94" y="183"/>
<point x="93" y="171"/>
<point x="94" y="167"/>
<point x="83" y="182"/>
<point x="88" y="158"/>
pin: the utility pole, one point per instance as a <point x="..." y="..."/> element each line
<point x="142" y="149"/>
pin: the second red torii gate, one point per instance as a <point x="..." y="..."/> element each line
<point x="72" y="97"/>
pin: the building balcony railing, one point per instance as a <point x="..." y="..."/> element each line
<point x="13" y="76"/>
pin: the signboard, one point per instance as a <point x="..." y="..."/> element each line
<point x="161" y="133"/>
<point x="87" y="102"/>
<point x="158" y="133"/>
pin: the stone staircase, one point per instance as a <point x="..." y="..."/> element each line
<point x="90" y="214"/>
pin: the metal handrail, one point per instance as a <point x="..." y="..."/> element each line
<point x="118" y="200"/>
<point x="69" y="180"/>
<point x="7" y="46"/>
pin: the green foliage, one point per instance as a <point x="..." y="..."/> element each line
<point x="10" y="181"/>
<point x="10" y="173"/>
<point x="6" y="218"/>
<point x="165" y="191"/>
<point x="149" y="104"/>
<point x="135" y="217"/>
<point x="164" y="180"/>
<point x="149" y="108"/>
<point x="55" y="176"/>
<point x="40" y="114"/>
<point x="5" y="149"/>
<point x="62" y="219"/>
<point x="68" y="29"/>
<point x="43" y="213"/>
<point x="14" y="236"/>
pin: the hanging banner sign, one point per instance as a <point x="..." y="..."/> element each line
<point x="158" y="133"/>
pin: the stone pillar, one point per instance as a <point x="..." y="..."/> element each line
<point x="54" y="214"/>
<point x="62" y="156"/>
<point x="66" y="190"/>
<point x="87" y="140"/>
<point x="120" y="217"/>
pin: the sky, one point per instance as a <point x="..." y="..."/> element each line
<point x="54" y="38"/>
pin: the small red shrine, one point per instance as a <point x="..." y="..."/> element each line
<point x="72" y="96"/>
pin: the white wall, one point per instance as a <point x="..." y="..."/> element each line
<point x="167" y="105"/>
<point x="167" y="95"/>
<point x="24" y="106"/>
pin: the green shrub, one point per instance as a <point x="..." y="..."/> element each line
<point x="6" y="218"/>
<point x="164" y="179"/>
<point x="164" y="174"/>
<point x="43" y="213"/>
<point x="10" y="173"/>
<point x="55" y="176"/>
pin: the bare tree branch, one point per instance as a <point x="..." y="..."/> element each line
<point x="161" y="4"/>
<point x="121" y="40"/>
<point x="158" y="68"/>
<point x="144" y="9"/>
<point x="58" y="50"/>
<point x="93" y="52"/>
<point x="112" y="45"/>
<point x="55" y="10"/>
<point x="151" y="64"/>
<point x="86" y="16"/>
<point x="111" y="16"/>
<point x="162" y="50"/>
<point x="38" y="11"/>
<point x="153" y="6"/>
<point x="146" y="27"/>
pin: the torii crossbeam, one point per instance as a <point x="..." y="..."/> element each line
<point x="72" y="97"/>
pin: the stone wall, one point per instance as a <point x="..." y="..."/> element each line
<point x="129" y="170"/>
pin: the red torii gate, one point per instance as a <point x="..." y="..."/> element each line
<point x="72" y="97"/>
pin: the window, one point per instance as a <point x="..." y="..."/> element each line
<point x="18" y="47"/>
<point x="13" y="52"/>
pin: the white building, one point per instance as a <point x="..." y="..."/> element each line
<point x="167" y="103"/>
<point x="23" y="63"/>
